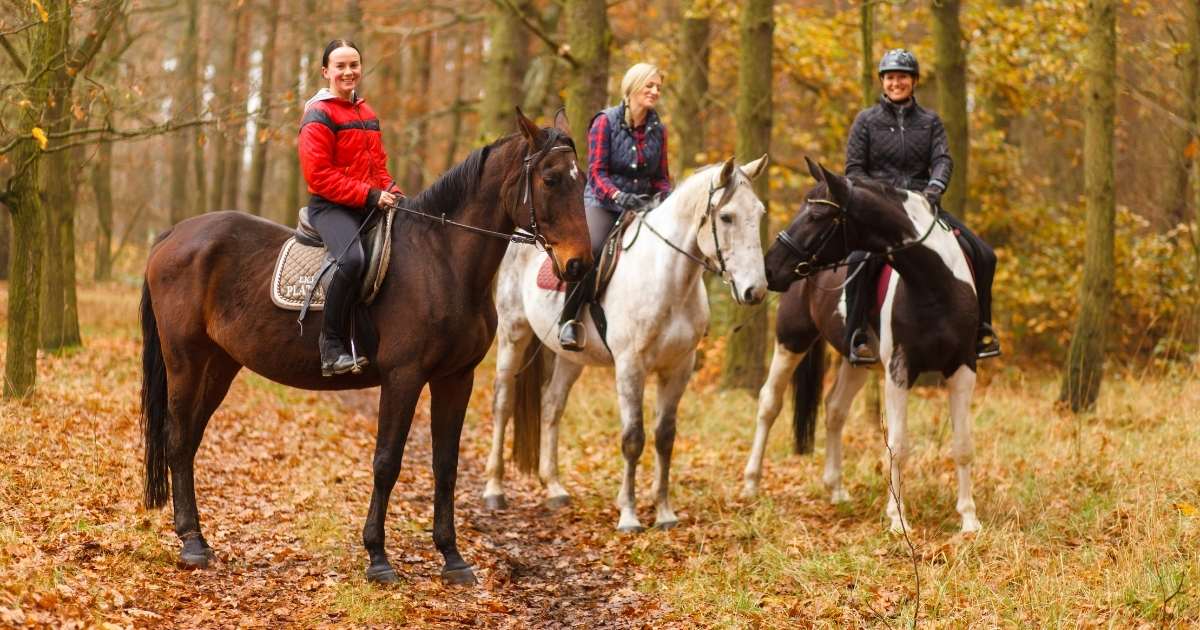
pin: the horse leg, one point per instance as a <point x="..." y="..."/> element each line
<point x="397" y="399"/>
<point x="511" y="344"/>
<point x="962" y="386"/>
<point x="197" y="382"/>
<point x="448" y="407"/>
<point x="671" y="385"/>
<point x="896" y="401"/>
<point x="554" y="400"/>
<point x="850" y="379"/>
<point x="770" y="401"/>
<point x="631" y="386"/>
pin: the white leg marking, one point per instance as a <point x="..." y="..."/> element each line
<point x="962" y="387"/>
<point x="770" y="401"/>
<point x="896" y="401"/>
<point x="850" y="379"/>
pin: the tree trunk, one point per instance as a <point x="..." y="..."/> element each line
<point x="418" y="131"/>
<point x="5" y="240"/>
<point x="1182" y="146"/>
<point x="692" y="58"/>
<point x="456" y="116"/>
<point x="258" y="161"/>
<point x="866" y="30"/>
<point x="587" y="88"/>
<point x="1085" y="359"/>
<point x="295" y="184"/>
<point x="238" y="97"/>
<point x="503" y="70"/>
<point x="102" y="190"/>
<point x="187" y="107"/>
<point x="950" y="66"/>
<point x="744" y="361"/>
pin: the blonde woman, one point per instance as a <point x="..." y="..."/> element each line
<point x="627" y="169"/>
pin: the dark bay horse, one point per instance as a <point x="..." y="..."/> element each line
<point x="926" y="323"/>
<point x="206" y="313"/>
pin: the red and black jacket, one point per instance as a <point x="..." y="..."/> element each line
<point x="341" y="151"/>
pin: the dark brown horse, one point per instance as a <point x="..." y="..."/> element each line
<point x="206" y="313"/>
<point x="926" y="323"/>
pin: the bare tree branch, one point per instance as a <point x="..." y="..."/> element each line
<point x="12" y="52"/>
<point x="82" y="55"/>
<point x="562" y="50"/>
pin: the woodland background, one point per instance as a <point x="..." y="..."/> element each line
<point x="1076" y="157"/>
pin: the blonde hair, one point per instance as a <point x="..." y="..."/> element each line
<point x="635" y="79"/>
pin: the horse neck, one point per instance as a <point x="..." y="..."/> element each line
<point x="678" y="220"/>
<point x="929" y="267"/>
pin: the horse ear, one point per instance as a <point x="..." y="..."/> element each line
<point x="561" y="122"/>
<point x="529" y="130"/>
<point x="756" y="168"/>
<point x="839" y="187"/>
<point x="815" y="170"/>
<point x="726" y="173"/>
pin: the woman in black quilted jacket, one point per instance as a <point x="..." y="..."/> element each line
<point x="903" y="144"/>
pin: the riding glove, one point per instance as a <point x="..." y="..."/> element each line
<point x="630" y="201"/>
<point x="933" y="194"/>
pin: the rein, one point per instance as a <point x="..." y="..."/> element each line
<point x="523" y="236"/>
<point x="709" y="211"/>
<point x="807" y="267"/>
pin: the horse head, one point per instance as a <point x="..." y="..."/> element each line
<point x="728" y="235"/>
<point x="550" y="202"/>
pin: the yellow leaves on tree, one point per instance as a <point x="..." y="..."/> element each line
<point x="42" y="13"/>
<point x="40" y="136"/>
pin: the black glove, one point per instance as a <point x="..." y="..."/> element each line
<point x="934" y="195"/>
<point x="630" y="201"/>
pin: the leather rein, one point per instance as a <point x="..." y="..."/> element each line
<point x="709" y="215"/>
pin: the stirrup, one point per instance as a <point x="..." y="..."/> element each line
<point x="864" y="359"/>
<point x="571" y="336"/>
<point x="988" y="344"/>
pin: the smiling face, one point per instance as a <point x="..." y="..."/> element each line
<point x="343" y="71"/>
<point x="647" y="96"/>
<point x="898" y="86"/>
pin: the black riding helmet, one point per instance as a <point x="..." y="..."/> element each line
<point x="899" y="60"/>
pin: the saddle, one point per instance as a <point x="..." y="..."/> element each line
<point x="303" y="258"/>
<point x="610" y="254"/>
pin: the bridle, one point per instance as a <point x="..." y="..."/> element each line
<point x="710" y="210"/>
<point x="522" y="236"/>
<point x="808" y="264"/>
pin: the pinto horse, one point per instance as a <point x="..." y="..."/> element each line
<point x="206" y="314"/>
<point x="926" y="323"/>
<point x="657" y="313"/>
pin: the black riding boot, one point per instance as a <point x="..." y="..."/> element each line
<point x="339" y="300"/>
<point x="860" y="294"/>
<point x="571" y="335"/>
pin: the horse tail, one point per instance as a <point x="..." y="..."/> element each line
<point x="807" y="383"/>
<point x="527" y="409"/>
<point x="156" y="487"/>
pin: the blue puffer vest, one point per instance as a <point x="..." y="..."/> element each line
<point x="623" y="168"/>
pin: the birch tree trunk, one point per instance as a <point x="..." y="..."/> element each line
<point x="262" y="139"/>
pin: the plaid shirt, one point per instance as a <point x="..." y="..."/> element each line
<point x="598" y="153"/>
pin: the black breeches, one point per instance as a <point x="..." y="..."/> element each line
<point x="860" y="290"/>
<point x="338" y="226"/>
<point x="983" y="263"/>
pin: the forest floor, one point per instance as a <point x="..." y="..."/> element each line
<point x="1088" y="521"/>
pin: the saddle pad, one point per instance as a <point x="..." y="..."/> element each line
<point x="295" y="271"/>
<point x="547" y="280"/>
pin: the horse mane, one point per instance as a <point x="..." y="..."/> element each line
<point x="886" y="191"/>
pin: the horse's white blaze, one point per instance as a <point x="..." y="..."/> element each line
<point x="574" y="171"/>
<point x="770" y="401"/>
<point x="657" y="313"/>
<point x="940" y="241"/>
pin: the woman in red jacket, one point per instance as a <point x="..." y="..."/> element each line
<point x="341" y="153"/>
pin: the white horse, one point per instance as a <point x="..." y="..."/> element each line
<point x="657" y="312"/>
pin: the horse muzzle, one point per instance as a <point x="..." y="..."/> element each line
<point x="575" y="269"/>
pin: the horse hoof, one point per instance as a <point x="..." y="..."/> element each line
<point x="749" y="491"/>
<point x="665" y="525"/>
<point x="196" y="559"/>
<point x="630" y="529"/>
<point x="382" y="574"/>
<point x="558" y="502"/>
<point x="461" y="577"/>
<point x="971" y="526"/>
<point x="495" y="502"/>
<point x="839" y="496"/>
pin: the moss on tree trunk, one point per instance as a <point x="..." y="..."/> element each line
<point x="950" y="65"/>
<point x="587" y="88"/>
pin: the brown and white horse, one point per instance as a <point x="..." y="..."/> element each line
<point x="926" y="323"/>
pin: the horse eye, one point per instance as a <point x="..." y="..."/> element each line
<point x="550" y="180"/>
<point x="727" y="218"/>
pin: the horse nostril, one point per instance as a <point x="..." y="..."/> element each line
<point x="748" y="295"/>
<point x="574" y="268"/>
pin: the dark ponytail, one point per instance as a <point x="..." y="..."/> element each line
<point x="334" y="45"/>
